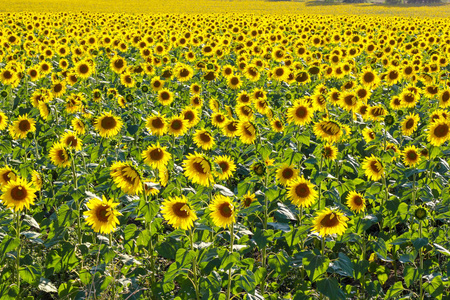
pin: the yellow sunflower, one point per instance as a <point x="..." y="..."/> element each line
<point x="36" y="179"/>
<point x="204" y="139"/>
<point x="177" y="126"/>
<point x="247" y="132"/>
<point x="108" y="125"/>
<point x="438" y="132"/>
<point x="3" y="120"/>
<point x="165" y="97"/>
<point x="198" y="169"/>
<point x="227" y="167"/>
<point x="368" y="134"/>
<point x="71" y="140"/>
<point x="301" y="192"/>
<point x="409" y="124"/>
<point x="156" y="156"/>
<point x="286" y="173"/>
<point x="248" y="199"/>
<point x="17" y="194"/>
<point x="356" y="201"/>
<point x="176" y="212"/>
<point x="223" y="213"/>
<point x="300" y="113"/>
<point x="6" y="175"/>
<point x="411" y="156"/>
<point x="330" y="221"/>
<point x="79" y="126"/>
<point x="328" y="130"/>
<point x="231" y="128"/>
<point x="102" y="215"/>
<point x="21" y="127"/>
<point x="127" y="177"/>
<point x="59" y="155"/>
<point x="373" y="168"/>
<point x="330" y="151"/>
<point x="157" y="125"/>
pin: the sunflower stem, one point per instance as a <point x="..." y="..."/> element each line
<point x="150" y="250"/>
<point x="323" y="246"/>
<point x="18" y="251"/>
<point x="414" y="189"/>
<point x="320" y="183"/>
<point x="113" y="270"/>
<point x="421" y="264"/>
<point x="36" y="146"/>
<point x="231" y="251"/>
<point x="194" y="265"/>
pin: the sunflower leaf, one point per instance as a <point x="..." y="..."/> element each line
<point x="315" y="265"/>
<point x="330" y="288"/>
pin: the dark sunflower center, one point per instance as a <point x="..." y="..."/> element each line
<point x="393" y="75"/>
<point x="252" y="71"/>
<point x="33" y="73"/>
<point x="72" y="141"/>
<point x="220" y="119"/>
<point x="101" y="213"/>
<point x="108" y="123"/>
<point x="226" y="210"/>
<point x="245" y="98"/>
<point x="157" y="154"/>
<point x="232" y="126"/>
<point x="198" y="167"/>
<point x="57" y="88"/>
<point x="374" y="167"/>
<point x="369" y="77"/>
<point x="189" y="115"/>
<point x="397" y="101"/>
<point x="180" y="209"/>
<point x="445" y="96"/>
<point x="61" y="155"/>
<point x="157" y="123"/>
<point x="84" y="69"/>
<point x="350" y="100"/>
<point x="301" y="112"/>
<point x="118" y="64"/>
<point x="165" y="96"/>
<point x="247" y="131"/>
<point x="204" y="136"/>
<point x="378" y="111"/>
<point x="24" y="125"/>
<point x="327" y="152"/>
<point x="408" y="70"/>
<point x="6" y="176"/>
<point x="128" y="79"/>
<point x="441" y="130"/>
<point x="184" y="72"/>
<point x="279" y="72"/>
<point x="363" y="109"/>
<point x="433" y="90"/>
<point x="412" y="155"/>
<point x="18" y="193"/>
<point x="330" y="221"/>
<point x="247" y="201"/>
<point x="234" y="81"/>
<point x="409" y="124"/>
<point x="157" y="84"/>
<point x="287" y="173"/>
<point x="357" y="200"/>
<point x="302" y="190"/>
<point x="7" y="74"/>
<point x="176" y="125"/>
<point x="224" y="166"/>
<point x="330" y="128"/>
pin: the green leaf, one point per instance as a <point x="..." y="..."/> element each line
<point x="47" y="286"/>
<point x="184" y="257"/>
<point x="85" y="276"/>
<point x="66" y="216"/>
<point x="132" y="129"/>
<point x="129" y="233"/>
<point x="149" y="209"/>
<point x="394" y="291"/>
<point x="419" y="243"/>
<point x="435" y="288"/>
<point x="279" y="262"/>
<point x="285" y="212"/>
<point x="330" y="288"/>
<point x="261" y="237"/>
<point x="247" y="281"/>
<point x="315" y="265"/>
<point x="410" y="274"/>
<point x="342" y="266"/>
<point x="382" y="274"/>
<point x="30" y="274"/>
<point x="8" y="244"/>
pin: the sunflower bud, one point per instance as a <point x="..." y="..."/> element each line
<point x="4" y="94"/>
<point x="389" y="120"/>
<point x="259" y="169"/>
<point x="400" y="113"/>
<point x="420" y="213"/>
<point x="144" y="89"/>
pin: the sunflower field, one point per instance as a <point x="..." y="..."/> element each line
<point x="224" y="156"/>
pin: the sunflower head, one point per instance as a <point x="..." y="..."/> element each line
<point x="223" y="212"/>
<point x="18" y="194"/>
<point x="177" y="212"/>
<point x="108" y="125"/>
<point x="373" y="168"/>
<point x="102" y="215"/>
<point x="199" y="169"/>
<point x="330" y="221"/>
<point x="286" y="173"/>
<point x="127" y="177"/>
<point x="302" y="192"/>
<point x="356" y="201"/>
<point x="248" y="199"/>
<point x="411" y="156"/>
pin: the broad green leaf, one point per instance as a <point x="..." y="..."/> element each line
<point x="394" y="291"/>
<point x="279" y="262"/>
<point x="330" y="288"/>
<point x="410" y="275"/>
<point x="30" y="274"/>
<point x="246" y="281"/>
<point x="342" y="266"/>
<point x="315" y="265"/>
<point x="419" y="243"/>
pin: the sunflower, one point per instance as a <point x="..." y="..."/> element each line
<point x="150" y="188"/>
<point x="157" y="84"/>
<point x="191" y="116"/>
<point x="396" y="103"/>
<point x="177" y="126"/>
<point x="301" y="192"/>
<point x="373" y="168"/>
<point x="70" y="139"/>
<point x="108" y="125"/>
<point x="79" y="126"/>
<point x="6" y="175"/>
<point x="369" y="78"/>
<point x="368" y="134"/>
<point x="348" y="101"/>
<point x="165" y="97"/>
<point x="444" y="98"/>
<point x="218" y="119"/>
<point x="183" y="72"/>
<point x="409" y="124"/>
<point x="198" y="169"/>
<point x="300" y="113"/>
<point x="376" y="112"/>
<point x="248" y="199"/>
<point x="84" y="69"/>
<point x="177" y="212"/>
<point x="247" y="132"/>
<point x="36" y="180"/>
<point x="118" y="65"/>
<point x="286" y="173"/>
<point x="244" y="112"/>
<point x="157" y="125"/>
<point x="204" y="139"/>
<point x="227" y="167"/>
<point x="127" y="177"/>
<point x="223" y="213"/>
<point x="328" y="130"/>
<point x="17" y="194"/>
<point x="21" y="127"/>
<point x="3" y="120"/>
<point x="330" y="152"/>
<point x="231" y="128"/>
<point x="59" y="155"/>
<point x="356" y="201"/>
<point x="439" y="132"/>
<point x="234" y="82"/>
<point x="407" y="99"/>
<point x="102" y="215"/>
<point x="156" y="156"/>
<point x="127" y="80"/>
<point x="411" y="156"/>
<point x="330" y="221"/>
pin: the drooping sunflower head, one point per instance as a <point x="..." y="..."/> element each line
<point x="156" y="156"/>
<point x="102" y="215"/>
<point x="223" y="212"/>
<point x="231" y="128"/>
<point x="356" y="201"/>
<point x="177" y="212"/>
<point x="59" y="155"/>
<point x="286" y="173"/>
<point x="108" y="125"/>
<point x="127" y="177"/>
<point x="198" y="168"/>
<point x="328" y="130"/>
<point x="301" y="192"/>
<point x="6" y="175"/>
<point x="330" y="221"/>
<point x="18" y="194"/>
<point x="247" y="132"/>
<point x="78" y="125"/>
<point x="373" y="168"/>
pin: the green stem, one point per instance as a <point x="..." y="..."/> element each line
<point x="414" y="189"/>
<point x="18" y="252"/>
<point x="231" y="251"/>
<point x="320" y="184"/>
<point x="194" y="265"/>
<point x="323" y="246"/>
<point x="264" y="249"/>
<point x="421" y="264"/>
<point x="150" y="250"/>
<point x="113" y="272"/>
